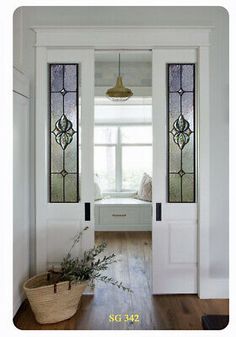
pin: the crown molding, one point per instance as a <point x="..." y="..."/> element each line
<point x="48" y="27"/>
<point x="129" y="37"/>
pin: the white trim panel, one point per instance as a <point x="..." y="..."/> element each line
<point x="116" y="37"/>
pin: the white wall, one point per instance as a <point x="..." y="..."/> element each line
<point x="153" y="16"/>
<point x="21" y="167"/>
<point x="21" y="220"/>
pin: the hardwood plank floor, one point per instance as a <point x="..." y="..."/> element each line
<point x="181" y="312"/>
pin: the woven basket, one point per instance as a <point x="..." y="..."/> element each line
<point x="53" y="303"/>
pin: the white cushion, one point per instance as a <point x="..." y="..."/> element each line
<point x="145" y="188"/>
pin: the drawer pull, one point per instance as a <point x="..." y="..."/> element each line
<point x="118" y="214"/>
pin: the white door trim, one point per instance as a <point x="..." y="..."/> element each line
<point x="148" y="38"/>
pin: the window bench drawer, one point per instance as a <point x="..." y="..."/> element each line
<point x="118" y="215"/>
<point x="115" y="214"/>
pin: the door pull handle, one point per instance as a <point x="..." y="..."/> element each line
<point x="87" y="211"/>
<point x="158" y="211"/>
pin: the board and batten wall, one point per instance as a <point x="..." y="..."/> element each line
<point x="21" y="210"/>
<point x="216" y="17"/>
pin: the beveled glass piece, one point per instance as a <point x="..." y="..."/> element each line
<point x="63" y="91"/>
<point x="187" y="77"/>
<point x="63" y="132"/>
<point x="174" y="108"/>
<point x="181" y="173"/>
<point x="188" y="156"/>
<point x="70" y="108"/>
<point x="187" y="108"/>
<point x="56" y="108"/>
<point x="174" y="103"/>
<point x="71" y="187"/>
<point x="188" y="188"/>
<point x="70" y="158"/>
<point x="56" y="188"/>
<point x="56" y="156"/>
<point x="174" y="157"/>
<point x="174" y="77"/>
<point x="56" y="77"/>
<point x="180" y="91"/>
<point x="174" y="188"/>
<point x="64" y="173"/>
<point x="70" y="77"/>
<point x="181" y="131"/>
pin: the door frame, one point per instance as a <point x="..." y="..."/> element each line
<point x="137" y="38"/>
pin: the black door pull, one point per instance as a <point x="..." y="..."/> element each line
<point x="87" y="211"/>
<point x="158" y="211"/>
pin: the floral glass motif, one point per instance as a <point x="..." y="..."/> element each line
<point x="63" y="132"/>
<point x="181" y="131"/>
<point x="63" y="113"/>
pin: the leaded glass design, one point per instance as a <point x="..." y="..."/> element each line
<point x="63" y="133"/>
<point x="181" y="133"/>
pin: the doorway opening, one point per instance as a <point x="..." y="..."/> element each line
<point x="123" y="163"/>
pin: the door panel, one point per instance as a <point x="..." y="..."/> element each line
<point x="175" y="232"/>
<point x="58" y="222"/>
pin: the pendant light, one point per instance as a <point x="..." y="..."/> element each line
<point x="119" y="92"/>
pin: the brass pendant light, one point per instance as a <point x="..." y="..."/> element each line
<point x="119" y="92"/>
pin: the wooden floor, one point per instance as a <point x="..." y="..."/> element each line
<point x="179" y="312"/>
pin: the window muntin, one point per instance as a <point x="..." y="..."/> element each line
<point x="63" y="133"/>
<point x="181" y="133"/>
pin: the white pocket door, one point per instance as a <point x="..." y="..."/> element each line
<point x="64" y="151"/>
<point x="174" y="171"/>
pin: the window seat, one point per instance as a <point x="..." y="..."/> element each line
<point x="121" y="201"/>
<point x="123" y="214"/>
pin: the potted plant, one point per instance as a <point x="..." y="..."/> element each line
<point x="54" y="296"/>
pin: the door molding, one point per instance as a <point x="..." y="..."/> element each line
<point x="100" y="37"/>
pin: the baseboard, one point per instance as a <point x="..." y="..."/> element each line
<point x="17" y="303"/>
<point x="214" y="288"/>
<point x="124" y="228"/>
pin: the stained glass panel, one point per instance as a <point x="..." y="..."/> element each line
<point x="64" y="147"/>
<point x="181" y="133"/>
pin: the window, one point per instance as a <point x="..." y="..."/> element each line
<point x="123" y="146"/>
<point x="181" y="135"/>
<point x="63" y="131"/>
